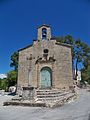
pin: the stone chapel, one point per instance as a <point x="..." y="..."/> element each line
<point x="46" y="64"/>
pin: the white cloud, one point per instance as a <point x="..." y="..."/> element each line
<point x="3" y="76"/>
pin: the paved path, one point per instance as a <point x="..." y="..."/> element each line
<point x="77" y="110"/>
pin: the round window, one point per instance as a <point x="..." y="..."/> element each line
<point x="45" y="50"/>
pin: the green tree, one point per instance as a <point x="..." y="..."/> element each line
<point x="83" y="53"/>
<point x="11" y="78"/>
<point x="12" y="75"/>
<point x="60" y="39"/>
<point x="86" y="74"/>
<point x="14" y="59"/>
<point x="69" y="40"/>
<point x="3" y="83"/>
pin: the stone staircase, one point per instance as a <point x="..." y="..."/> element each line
<point x="52" y="95"/>
<point x="44" y="98"/>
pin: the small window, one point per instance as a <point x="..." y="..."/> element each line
<point x="45" y="50"/>
<point x="44" y="33"/>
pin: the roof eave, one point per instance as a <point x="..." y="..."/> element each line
<point x="25" y="47"/>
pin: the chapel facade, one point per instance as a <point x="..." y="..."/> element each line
<point x="46" y="64"/>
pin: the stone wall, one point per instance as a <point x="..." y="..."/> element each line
<point x="23" y="66"/>
<point x="61" y="67"/>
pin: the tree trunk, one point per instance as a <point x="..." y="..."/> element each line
<point x="76" y="69"/>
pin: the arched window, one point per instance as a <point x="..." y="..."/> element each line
<point x="44" y="33"/>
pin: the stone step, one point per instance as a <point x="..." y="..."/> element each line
<point x="32" y="104"/>
<point x="51" y="95"/>
<point x="50" y="99"/>
<point x="43" y="92"/>
<point x="49" y="90"/>
<point x="56" y="98"/>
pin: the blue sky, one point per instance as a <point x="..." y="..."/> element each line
<point x="19" y="20"/>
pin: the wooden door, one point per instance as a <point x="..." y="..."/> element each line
<point x="46" y="77"/>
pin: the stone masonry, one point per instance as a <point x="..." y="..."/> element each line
<point x="45" y="59"/>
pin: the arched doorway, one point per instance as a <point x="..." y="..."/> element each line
<point x="46" y="77"/>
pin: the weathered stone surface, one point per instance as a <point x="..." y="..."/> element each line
<point x="44" y="98"/>
<point x="31" y="61"/>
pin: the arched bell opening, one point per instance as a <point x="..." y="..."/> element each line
<point x="44" y="33"/>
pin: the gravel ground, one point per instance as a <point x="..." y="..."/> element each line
<point x="75" y="110"/>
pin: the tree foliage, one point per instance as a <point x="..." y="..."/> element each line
<point x="14" y="59"/>
<point x="81" y="53"/>
<point x="12" y="75"/>
<point x="11" y="78"/>
<point x="86" y="74"/>
<point x="3" y="83"/>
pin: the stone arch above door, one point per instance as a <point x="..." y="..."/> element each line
<point x="46" y="77"/>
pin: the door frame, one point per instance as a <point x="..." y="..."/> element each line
<point x="50" y="71"/>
